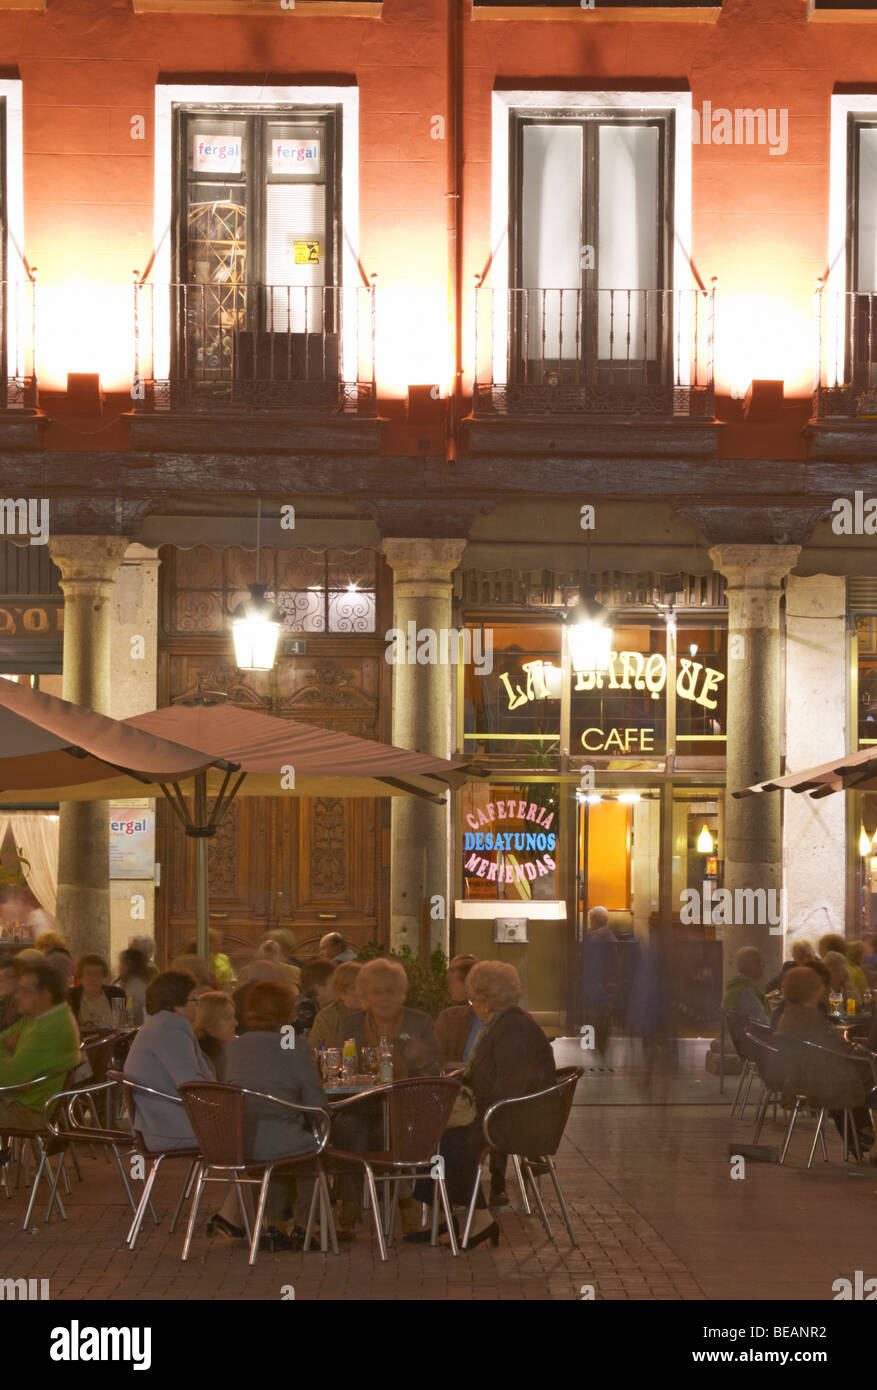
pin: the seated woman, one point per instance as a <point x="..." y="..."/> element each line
<point x="215" y="1026"/>
<point x="134" y="975"/>
<point x="511" y="1057"/>
<point x="839" y="981"/>
<point x="260" y="1062"/>
<point x="164" y="1053"/>
<point x="91" y="1000"/>
<point x="331" y="1023"/>
<point x="803" y="1019"/>
<point x="382" y="986"/>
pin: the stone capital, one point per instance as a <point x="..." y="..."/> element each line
<point x="754" y="566"/>
<point x="423" y="561"/>
<point x="88" y="559"/>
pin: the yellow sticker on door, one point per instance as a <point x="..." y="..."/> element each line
<point x="306" y="252"/>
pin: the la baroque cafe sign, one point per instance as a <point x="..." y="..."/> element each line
<point x="627" y="670"/>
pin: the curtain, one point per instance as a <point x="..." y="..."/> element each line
<point x="37" y="838"/>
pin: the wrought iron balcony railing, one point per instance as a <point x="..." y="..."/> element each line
<point x="618" y="352"/>
<point x="18" y="331"/>
<point x="846" y="354"/>
<point x="265" y="347"/>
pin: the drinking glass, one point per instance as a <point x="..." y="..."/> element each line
<point x="333" y="1065"/>
<point x="835" y="1003"/>
<point x="118" y="1006"/>
<point x="370" y="1061"/>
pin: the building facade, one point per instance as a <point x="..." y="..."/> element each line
<point x="445" y="319"/>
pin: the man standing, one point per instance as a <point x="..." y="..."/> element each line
<point x="43" y="1042"/>
<point x="599" y="965"/>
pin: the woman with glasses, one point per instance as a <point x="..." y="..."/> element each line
<point x="165" y="1053"/>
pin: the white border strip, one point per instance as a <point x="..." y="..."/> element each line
<point x="166" y="97"/>
<point x="11" y="91"/>
<point x="502" y="104"/>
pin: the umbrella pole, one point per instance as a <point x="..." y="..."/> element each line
<point x="200" y="828"/>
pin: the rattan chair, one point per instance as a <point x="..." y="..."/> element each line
<point x="530" y="1128"/>
<point x="418" y="1111"/>
<point x="217" y="1113"/>
<point x="155" y="1157"/>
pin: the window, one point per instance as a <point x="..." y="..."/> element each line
<point x="590" y="240"/>
<point x="257" y="250"/>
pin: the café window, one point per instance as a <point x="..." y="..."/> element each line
<point x="701" y="689"/>
<point x="513" y="710"/>
<point x="623" y="711"/>
<point x="509" y="844"/>
<point x="257" y="241"/>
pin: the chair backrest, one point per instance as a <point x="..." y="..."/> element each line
<point x="533" y="1125"/>
<point x="216" y="1114"/>
<point x="739" y="1025"/>
<point x="771" y="1062"/>
<point x="827" y="1078"/>
<point x="129" y="1091"/>
<point x="419" y="1111"/>
<point x="99" y="1054"/>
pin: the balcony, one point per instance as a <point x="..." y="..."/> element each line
<point x="229" y="364"/>
<point x="844" y="419"/>
<point x="636" y="361"/>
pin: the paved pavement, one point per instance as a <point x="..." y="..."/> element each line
<point x="655" y="1208"/>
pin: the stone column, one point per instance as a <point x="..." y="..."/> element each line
<point x="753" y="848"/>
<point x="422" y="708"/>
<point x="814" y="832"/>
<point x="133" y="690"/>
<point x="87" y="565"/>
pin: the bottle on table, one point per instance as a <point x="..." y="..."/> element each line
<point x="385" y="1061"/>
<point x="348" y="1059"/>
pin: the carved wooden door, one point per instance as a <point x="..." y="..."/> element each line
<point x="310" y="864"/>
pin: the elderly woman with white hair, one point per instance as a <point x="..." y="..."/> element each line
<point x="511" y="1057"/>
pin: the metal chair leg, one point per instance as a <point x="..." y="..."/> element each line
<point x="516" y="1161"/>
<point x="440" y="1183"/>
<point x="33" y="1191"/>
<point x="540" y="1204"/>
<point x="472" y="1200"/>
<point x="245" y="1215"/>
<point x="260" y="1212"/>
<point x="134" y="1230"/>
<point x="816" y="1136"/>
<point x="184" y="1192"/>
<point x="793" y="1119"/>
<point x="373" y="1198"/>
<point x="326" y="1213"/>
<point x="550" y="1161"/>
<point x="856" y="1147"/>
<point x="53" y="1190"/>
<point x="193" y="1213"/>
<point x="760" y="1115"/>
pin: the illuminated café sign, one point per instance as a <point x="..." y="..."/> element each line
<point x="535" y="838"/>
<point x="633" y="671"/>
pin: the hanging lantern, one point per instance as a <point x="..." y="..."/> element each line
<point x="705" y="841"/>
<point x="256" y="626"/>
<point x="589" y="635"/>
<point x="864" y="843"/>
